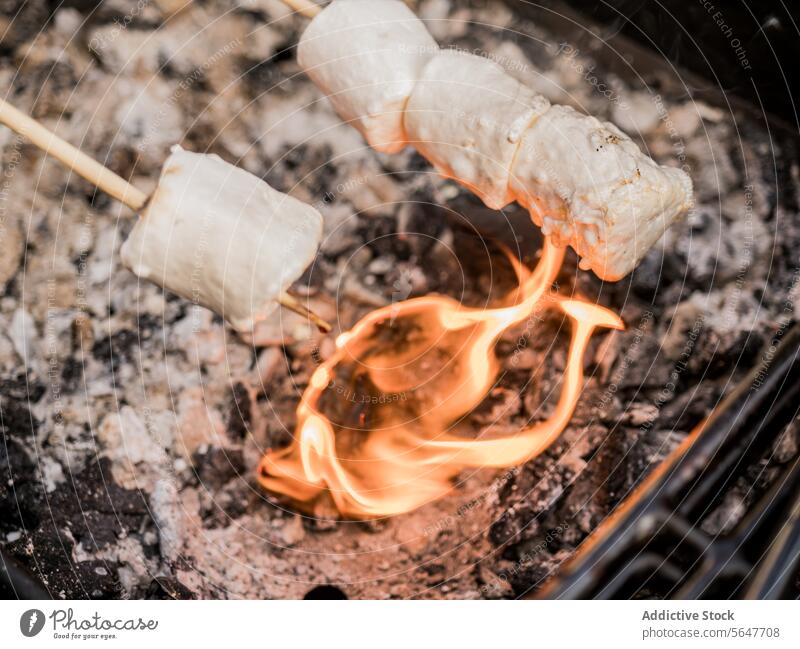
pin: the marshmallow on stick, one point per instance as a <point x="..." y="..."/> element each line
<point x="587" y="185"/>
<point x="222" y="238"/>
<point x="583" y="181"/>
<point x="467" y="117"/>
<point x="366" y="56"/>
<point x="211" y="232"/>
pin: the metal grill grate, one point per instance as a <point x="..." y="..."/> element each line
<point x="654" y="544"/>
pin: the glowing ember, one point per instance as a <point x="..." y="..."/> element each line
<point x="396" y="389"/>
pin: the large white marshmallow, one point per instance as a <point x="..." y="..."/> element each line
<point x="222" y="238"/>
<point x="588" y="185"/>
<point x="367" y="55"/>
<point x="467" y="116"/>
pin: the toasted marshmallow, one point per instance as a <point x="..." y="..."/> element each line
<point x="222" y="238"/>
<point x="588" y="185"/>
<point x="467" y="116"/>
<point x="585" y="182"/>
<point x="367" y="55"/>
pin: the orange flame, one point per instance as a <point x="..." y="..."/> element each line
<point x="396" y="389"/>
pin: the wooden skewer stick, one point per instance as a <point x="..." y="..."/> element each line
<point x="305" y="7"/>
<point x="102" y="177"/>
<point x="288" y="302"/>
<point x="293" y="304"/>
<point x="73" y="158"/>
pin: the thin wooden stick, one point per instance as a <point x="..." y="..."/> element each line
<point x="305" y="7"/>
<point x="105" y="179"/>
<point x="291" y="303"/>
<point x="75" y="159"/>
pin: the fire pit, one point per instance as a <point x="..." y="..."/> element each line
<point x="148" y="452"/>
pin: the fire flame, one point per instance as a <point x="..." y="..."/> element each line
<point x="397" y="387"/>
